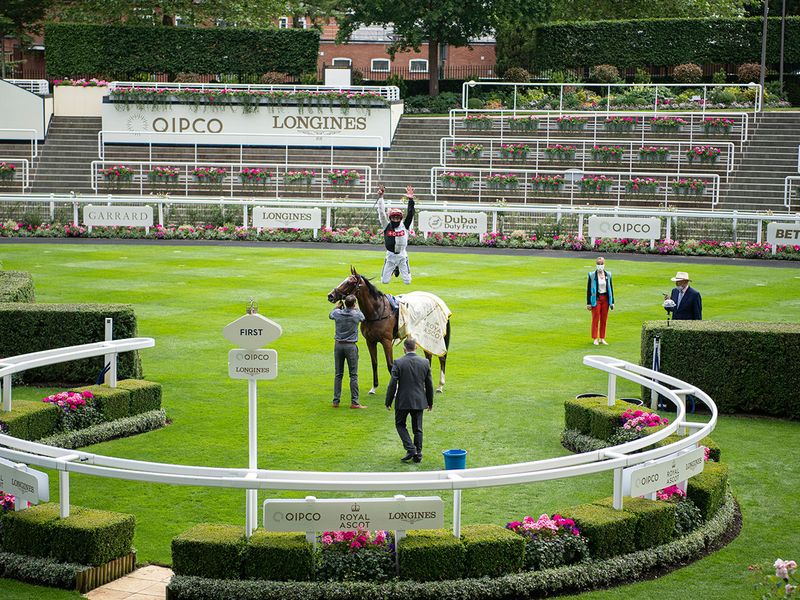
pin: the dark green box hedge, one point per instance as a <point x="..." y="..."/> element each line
<point x="16" y="286"/>
<point x="87" y="536"/>
<point x="209" y="550"/>
<point x="491" y="550"/>
<point x="278" y="557"/>
<point x="35" y="327"/>
<point x="715" y="452"/>
<point x="144" y="395"/>
<point x="118" y="51"/>
<point x="758" y="360"/>
<point x="113" y="403"/>
<point x="655" y="520"/>
<point x="593" y="416"/>
<point x="30" y="420"/>
<point x="431" y="555"/>
<point x="707" y="490"/>
<point x="609" y="532"/>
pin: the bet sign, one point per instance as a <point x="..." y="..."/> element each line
<point x="252" y="331"/>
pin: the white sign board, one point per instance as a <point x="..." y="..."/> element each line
<point x="273" y="126"/>
<point x="118" y="216"/>
<point x="26" y="484"/>
<point x="625" y="227"/>
<point x="392" y="514"/>
<point x="252" y="364"/>
<point x="452" y="222"/>
<point x="664" y="472"/>
<point x="252" y="331"/>
<point x="287" y="217"/>
<point x="783" y="234"/>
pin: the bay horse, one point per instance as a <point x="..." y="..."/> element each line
<point x="380" y="323"/>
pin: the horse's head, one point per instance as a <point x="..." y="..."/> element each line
<point x="349" y="286"/>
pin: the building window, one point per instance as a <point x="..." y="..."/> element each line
<point x="283" y="23"/>
<point x="179" y="21"/>
<point x="418" y="65"/>
<point x="342" y="62"/>
<point x="301" y="23"/>
<point x="380" y="65"/>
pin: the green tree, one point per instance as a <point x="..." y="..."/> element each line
<point x="607" y="10"/>
<point x="19" y="18"/>
<point x="435" y="22"/>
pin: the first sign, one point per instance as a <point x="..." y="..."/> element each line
<point x="252" y="331"/>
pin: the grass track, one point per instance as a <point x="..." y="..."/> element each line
<point x="520" y="330"/>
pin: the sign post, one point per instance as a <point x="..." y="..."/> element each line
<point x="25" y="484"/>
<point x="250" y="361"/>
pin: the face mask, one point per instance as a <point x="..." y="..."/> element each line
<point x="601" y="268"/>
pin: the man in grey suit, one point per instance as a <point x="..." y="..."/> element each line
<point x="411" y="387"/>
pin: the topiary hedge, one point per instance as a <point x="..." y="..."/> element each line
<point x="707" y="489"/>
<point x="29" y="420"/>
<point x="609" y="532"/>
<point x="278" y="557"/>
<point x="145" y="396"/>
<point x="35" y="327"/>
<point x="87" y="536"/>
<point x="209" y="550"/>
<point x="431" y="555"/>
<point x="40" y="571"/>
<point x="16" y="286"/>
<point x="759" y="361"/>
<point x="655" y="520"/>
<point x="491" y="550"/>
<point x="119" y="51"/>
<point x="112" y="403"/>
<point x="102" y="432"/>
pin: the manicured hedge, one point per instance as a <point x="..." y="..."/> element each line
<point x="16" y="286"/>
<point x="40" y="571"/>
<point x="759" y="362"/>
<point x="609" y="532"/>
<point x="491" y="550"/>
<point x="278" y="557"/>
<point x="145" y="396"/>
<point x="87" y="536"/>
<point x="634" y="43"/>
<point x="715" y="452"/>
<point x="209" y="550"/>
<point x="35" y="327"/>
<point x="655" y="520"/>
<point x="119" y="51"/>
<point x="102" y="432"/>
<point x="593" y="416"/>
<point x="707" y="489"/>
<point x="430" y="555"/>
<point x="112" y="403"/>
<point x="29" y="420"/>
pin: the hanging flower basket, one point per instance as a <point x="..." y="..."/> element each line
<point x="7" y="171"/>
<point x="667" y="124"/>
<point x="596" y="184"/>
<point x="704" y="154"/>
<point x="688" y="187"/>
<point x="621" y="124"/>
<point x="515" y="151"/>
<point x="568" y="123"/>
<point x="459" y="181"/>
<point x="645" y="186"/>
<point x="342" y="178"/>
<point x="466" y="150"/>
<point x="548" y="183"/>
<point x="209" y="175"/>
<point x="477" y="122"/>
<point x="607" y="153"/>
<point x="523" y="124"/>
<point x="560" y="152"/>
<point x="718" y="125"/>
<point x="502" y="181"/>
<point x="297" y="178"/>
<point x="656" y="154"/>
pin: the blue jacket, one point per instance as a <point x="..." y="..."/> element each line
<point x="591" y="289"/>
<point x="691" y="308"/>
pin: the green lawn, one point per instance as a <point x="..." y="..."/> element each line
<point x="520" y="330"/>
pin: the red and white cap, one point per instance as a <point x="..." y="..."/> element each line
<point x="395" y="212"/>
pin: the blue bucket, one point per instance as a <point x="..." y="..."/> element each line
<point x="455" y="459"/>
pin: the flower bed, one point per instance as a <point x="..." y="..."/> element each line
<point x="596" y="183"/>
<point x="667" y="124"/>
<point x="607" y="153"/>
<point x="76" y="410"/>
<point x="466" y="150"/>
<point x="355" y="555"/>
<point x="344" y="177"/>
<point x="560" y="152"/>
<point x="523" y="124"/>
<point x="658" y="154"/>
<point x="460" y="181"/>
<point x="571" y="123"/>
<point x="514" y="151"/>
<point x="477" y="122"/>
<point x="703" y="154"/>
<point x="502" y="181"/>
<point x="93" y="82"/>
<point x="550" y="542"/>
<point x="7" y="171"/>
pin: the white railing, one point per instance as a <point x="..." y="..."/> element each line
<point x="798" y="159"/>
<point x="481" y="189"/>
<point x="609" y="459"/>
<point x="390" y="92"/>
<point x="677" y="158"/>
<point x="701" y="101"/>
<point x="274" y="140"/>
<point x="24" y="178"/>
<point x="748" y="220"/>
<point x="31" y="138"/>
<point x="231" y="183"/>
<point x="36" y="86"/>
<point x="791" y="187"/>
<point x="548" y="125"/>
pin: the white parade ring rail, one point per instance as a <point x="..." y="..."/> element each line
<point x="609" y="459"/>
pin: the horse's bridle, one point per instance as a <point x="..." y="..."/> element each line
<point x="386" y="314"/>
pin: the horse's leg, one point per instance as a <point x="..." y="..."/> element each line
<point x="388" y="352"/>
<point x="372" y="346"/>
<point x="442" y="362"/>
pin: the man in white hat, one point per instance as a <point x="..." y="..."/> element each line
<point x="688" y="304"/>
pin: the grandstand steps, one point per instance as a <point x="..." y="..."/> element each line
<point x="66" y="156"/>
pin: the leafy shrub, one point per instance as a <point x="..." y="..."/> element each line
<point x="356" y="77"/>
<point x="273" y="77"/>
<point x="41" y="571"/>
<point x="36" y="327"/>
<point x="209" y="550"/>
<point x="278" y="556"/>
<point x="517" y="75"/>
<point x="429" y="555"/>
<point x="76" y="410"/>
<point x="145" y="396"/>
<point x="687" y="73"/>
<point x="105" y="431"/>
<point x="593" y="416"/>
<point x="761" y="373"/>
<point x="749" y="73"/>
<point x="16" y="286"/>
<point x="87" y="536"/>
<point x="605" y="74"/>
<point x="397" y="81"/>
<point x="719" y="77"/>
<point x="29" y="420"/>
<point x="707" y="489"/>
<point x="642" y="76"/>
<point x="475" y="103"/>
<point x="188" y="78"/>
<point x="609" y="532"/>
<point x="111" y="403"/>
<point x="440" y="104"/>
<point x="550" y="553"/>
<point x="31" y="219"/>
<point x="364" y="565"/>
<point x="687" y="517"/>
<point x="491" y="550"/>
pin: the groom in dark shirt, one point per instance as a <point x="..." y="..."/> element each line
<point x="346" y="349"/>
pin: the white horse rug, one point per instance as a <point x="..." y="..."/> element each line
<point x="424" y="317"/>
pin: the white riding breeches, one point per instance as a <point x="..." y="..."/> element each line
<point x="396" y="261"/>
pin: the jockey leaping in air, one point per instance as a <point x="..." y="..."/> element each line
<point x="395" y="236"/>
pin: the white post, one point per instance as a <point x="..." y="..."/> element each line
<point x="7" y="393"/>
<point x="656" y="352"/>
<point x="251" y="504"/>
<point x="110" y="359"/>
<point x="612" y="388"/>
<point x="63" y="494"/>
<point x="618" y="489"/>
<point x="457" y="513"/>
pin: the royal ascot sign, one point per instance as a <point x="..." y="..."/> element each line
<point x="286" y="218"/>
<point x="24" y="483"/>
<point x="664" y="472"/>
<point x="118" y="216"/>
<point x="625" y="227"/>
<point x="392" y="514"/>
<point x="452" y="222"/>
